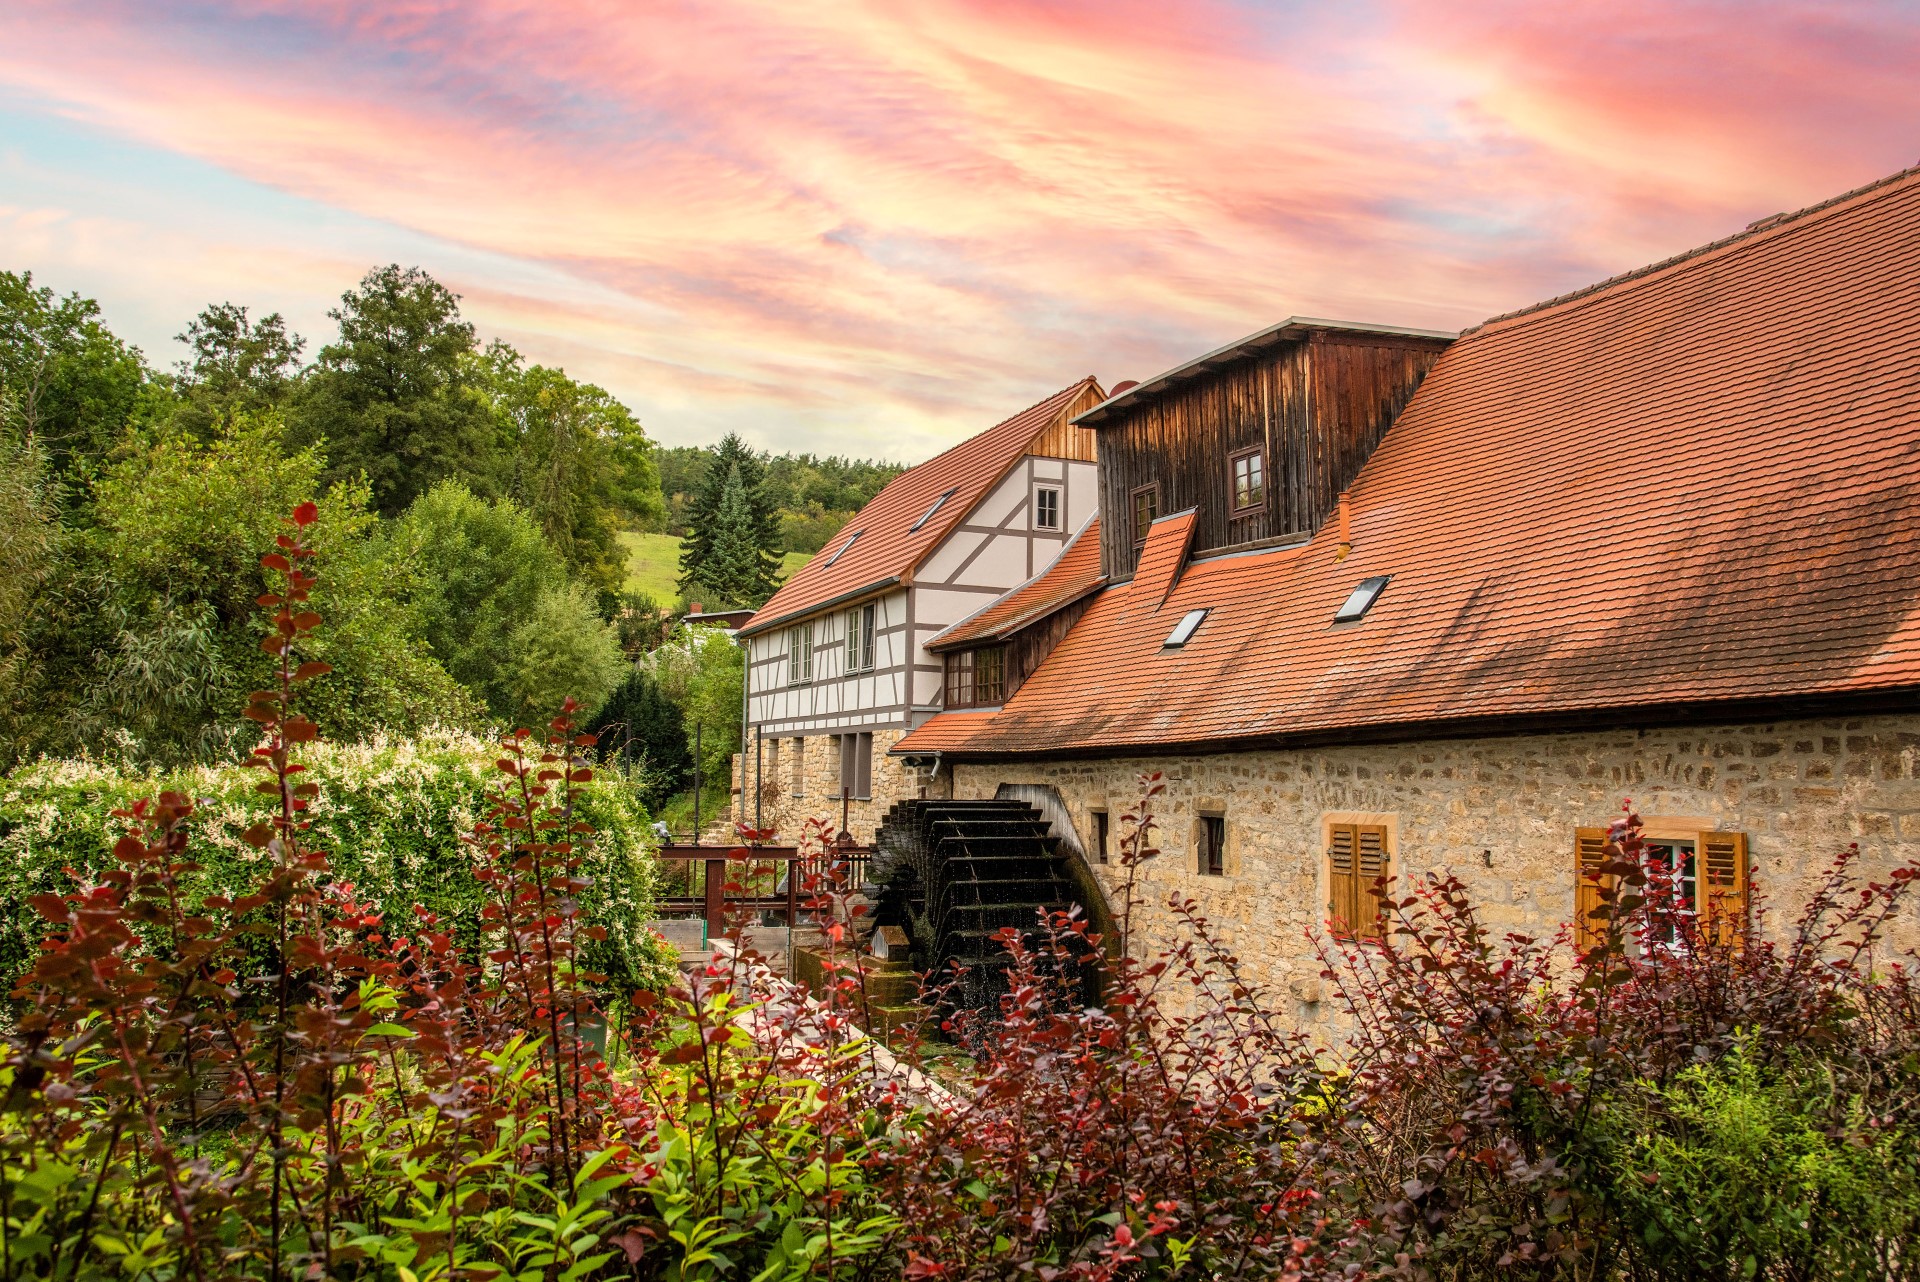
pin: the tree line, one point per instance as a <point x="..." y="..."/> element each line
<point x="471" y="500"/>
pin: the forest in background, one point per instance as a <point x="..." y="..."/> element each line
<point x="477" y="511"/>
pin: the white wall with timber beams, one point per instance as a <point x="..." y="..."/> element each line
<point x="834" y="698"/>
<point x="996" y="548"/>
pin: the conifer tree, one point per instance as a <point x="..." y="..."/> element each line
<point x="732" y="549"/>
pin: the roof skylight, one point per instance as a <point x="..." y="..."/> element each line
<point x="849" y="543"/>
<point x="928" y="514"/>
<point x="1362" y="600"/>
<point x="1183" y="631"/>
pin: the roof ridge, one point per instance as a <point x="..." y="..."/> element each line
<point x="1759" y="226"/>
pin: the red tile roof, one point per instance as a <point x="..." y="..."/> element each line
<point x="1697" y="485"/>
<point x="888" y="549"/>
<point x="1163" y="556"/>
<point x="1073" y="574"/>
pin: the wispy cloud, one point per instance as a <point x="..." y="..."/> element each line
<point x="874" y="227"/>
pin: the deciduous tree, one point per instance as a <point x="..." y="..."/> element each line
<point x="394" y="397"/>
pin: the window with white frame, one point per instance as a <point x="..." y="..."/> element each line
<point x="1046" y="508"/>
<point x="800" y="653"/>
<point x="860" y="638"/>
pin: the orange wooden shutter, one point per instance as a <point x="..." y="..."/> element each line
<point x="1343" y="879"/>
<point x="1356" y="857"/>
<point x="1373" y="866"/>
<point x="1722" y="885"/>
<point x="1589" y="853"/>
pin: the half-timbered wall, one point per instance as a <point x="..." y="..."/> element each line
<point x="997" y="547"/>
<point x="1317" y="407"/>
<point x="835" y="698"/>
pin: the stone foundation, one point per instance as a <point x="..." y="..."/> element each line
<point x="1500" y="813"/>
<point x="789" y="794"/>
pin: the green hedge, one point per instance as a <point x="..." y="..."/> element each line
<point x="390" y="813"/>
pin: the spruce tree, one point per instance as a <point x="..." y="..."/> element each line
<point x="732" y="547"/>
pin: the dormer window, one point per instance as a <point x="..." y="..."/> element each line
<point x="977" y="678"/>
<point x="1249" y="472"/>
<point x="1146" y="510"/>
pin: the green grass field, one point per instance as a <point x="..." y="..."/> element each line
<point x="653" y="565"/>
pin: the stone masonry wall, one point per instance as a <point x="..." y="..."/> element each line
<point x="1498" y="812"/>
<point x="787" y="799"/>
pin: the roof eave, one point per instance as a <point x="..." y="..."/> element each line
<point x="1669" y="713"/>
<point x="1020" y="623"/>
<point x="1294" y="327"/>
<point x="865" y="589"/>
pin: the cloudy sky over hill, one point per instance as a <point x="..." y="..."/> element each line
<point x="874" y="228"/>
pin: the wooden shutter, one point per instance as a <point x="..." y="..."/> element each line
<point x="1589" y="853"/>
<point x="1721" y="885"/>
<point x="1356" y="858"/>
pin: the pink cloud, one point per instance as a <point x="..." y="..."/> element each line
<point x="875" y="226"/>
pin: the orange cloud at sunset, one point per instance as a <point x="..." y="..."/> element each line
<point x="875" y="227"/>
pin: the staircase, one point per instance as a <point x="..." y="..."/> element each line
<point x="956" y="873"/>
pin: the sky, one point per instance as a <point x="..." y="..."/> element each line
<point x="877" y="228"/>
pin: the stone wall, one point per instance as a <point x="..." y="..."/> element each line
<point x="1500" y="813"/>
<point x="790" y="794"/>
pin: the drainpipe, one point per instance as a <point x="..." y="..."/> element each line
<point x="746" y="705"/>
<point x="1344" y="517"/>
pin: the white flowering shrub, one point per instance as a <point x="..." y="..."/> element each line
<point x="390" y="813"/>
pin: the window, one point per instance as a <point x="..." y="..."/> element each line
<point x="1357" y="859"/>
<point x="977" y="678"/>
<point x="1100" y="835"/>
<point x="990" y="675"/>
<point x="1183" y="631"/>
<point x="800" y="767"/>
<point x="860" y="638"/>
<point x="1249" y="469"/>
<point x="1361" y="600"/>
<point x="1212" y="841"/>
<point x="849" y="543"/>
<point x="856" y="766"/>
<point x="1146" y="509"/>
<point x="800" y="653"/>
<point x="1046" y="508"/>
<point x="1704" y="878"/>
<point x="928" y="514"/>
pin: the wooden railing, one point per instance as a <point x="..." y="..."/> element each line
<point x="840" y="865"/>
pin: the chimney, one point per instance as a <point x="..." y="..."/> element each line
<point x="696" y="604"/>
<point x="1344" y="516"/>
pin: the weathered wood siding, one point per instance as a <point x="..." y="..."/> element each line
<point x="1317" y="406"/>
<point x="1062" y="439"/>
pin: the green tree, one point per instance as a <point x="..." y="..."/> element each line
<point x="577" y="461"/>
<point x="733" y="571"/>
<point x="732" y="546"/>
<point x="488" y="584"/>
<point x="143" y="637"/>
<point x="703" y="672"/>
<point x="237" y="366"/>
<point x="71" y="387"/>
<point x="562" y="649"/>
<point x="394" y="397"/>
<point x="29" y="541"/>
<point x="645" y="731"/>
